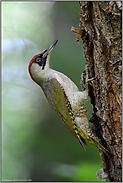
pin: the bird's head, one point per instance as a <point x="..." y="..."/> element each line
<point x="40" y="62"/>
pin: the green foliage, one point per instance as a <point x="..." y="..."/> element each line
<point x="85" y="171"/>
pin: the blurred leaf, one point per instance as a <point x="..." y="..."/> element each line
<point x="86" y="171"/>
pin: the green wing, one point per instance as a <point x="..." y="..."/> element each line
<point x="58" y="100"/>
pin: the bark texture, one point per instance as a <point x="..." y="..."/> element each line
<point x="101" y="32"/>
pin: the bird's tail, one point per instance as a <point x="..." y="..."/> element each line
<point x="102" y="148"/>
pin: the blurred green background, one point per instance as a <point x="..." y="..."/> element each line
<point x="36" y="145"/>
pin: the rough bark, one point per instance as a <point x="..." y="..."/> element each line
<point x="101" y="32"/>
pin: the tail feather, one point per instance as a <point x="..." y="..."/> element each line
<point x="102" y="148"/>
<point x="81" y="141"/>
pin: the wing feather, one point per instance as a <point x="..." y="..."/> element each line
<point x="59" y="102"/>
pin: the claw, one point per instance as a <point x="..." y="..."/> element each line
<point x="85" y="81"/>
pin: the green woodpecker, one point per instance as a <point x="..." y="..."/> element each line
<point x="64" y="97"/>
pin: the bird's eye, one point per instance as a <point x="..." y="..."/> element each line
<point x="38" y="59"/>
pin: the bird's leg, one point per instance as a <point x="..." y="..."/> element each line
<point x="84" y="80"/>
<point x="87" y="79"/>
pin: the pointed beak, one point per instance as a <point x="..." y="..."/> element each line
<point x="49" y="49"/>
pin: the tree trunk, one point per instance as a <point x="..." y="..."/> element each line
<point x="101" y="32"/>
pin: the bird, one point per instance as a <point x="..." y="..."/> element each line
<point x="64" y="97"/>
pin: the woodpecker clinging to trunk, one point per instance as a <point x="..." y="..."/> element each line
<point x="64" y="97"/>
